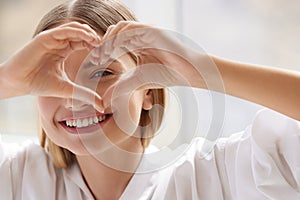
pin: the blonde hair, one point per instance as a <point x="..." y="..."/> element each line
<point x="99" y="14"/>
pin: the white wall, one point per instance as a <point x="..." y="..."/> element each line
<point x="18" y="19"/>
<point x="261" y="32"/>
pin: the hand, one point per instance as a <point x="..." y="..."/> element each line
<point x="38" y="68"/>
<point x="162" y="60"/>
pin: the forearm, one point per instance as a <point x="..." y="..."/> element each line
<point x="274" y="88"/>
<point x="6" y="89"/>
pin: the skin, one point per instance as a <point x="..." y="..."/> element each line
<point x="68" y="51"/>
<point x="90" y="148"/>
<point x="53" y="109"/>
<point x="25" y="76"/>
<point x="276" y="89"/>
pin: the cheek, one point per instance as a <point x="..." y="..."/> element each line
<point x="135" y="107"/>
<point x="101" y="86"/>
<point x="131" y="107"/>
<point x="47" y="107"/>
<point x="127" y="112"/>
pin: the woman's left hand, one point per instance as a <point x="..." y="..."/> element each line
<point x="162" y="60"/>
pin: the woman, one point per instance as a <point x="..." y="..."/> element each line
<point x="100" y="86"/>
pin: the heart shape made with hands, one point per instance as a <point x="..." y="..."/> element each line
<point x="141" y="58"/>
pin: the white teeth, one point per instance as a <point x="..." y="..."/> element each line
<point x="95" y="119"/>
<point x="85" y="122"/>
<point x="91" y="121"/>
<point x="79" y="123"/>
<point x="102" y="118"/>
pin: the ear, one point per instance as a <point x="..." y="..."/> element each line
<point x="148" y="100"/>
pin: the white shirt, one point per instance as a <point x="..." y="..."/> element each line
<point x="262" y="162"/>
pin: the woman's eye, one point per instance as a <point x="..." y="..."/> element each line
<point x="101" y="73"/>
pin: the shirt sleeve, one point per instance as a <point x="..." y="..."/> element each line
<point x="264" y="161"/>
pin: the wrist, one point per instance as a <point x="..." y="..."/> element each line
<point x="208" y="70"/>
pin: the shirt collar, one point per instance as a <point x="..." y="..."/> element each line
<point x="74" y="174"/>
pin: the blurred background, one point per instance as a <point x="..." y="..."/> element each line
<point x="261" y="32"/>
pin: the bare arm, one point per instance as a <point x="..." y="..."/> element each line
<point x="37" y="68"/>
<point x="6" y="89"/>
<point x="271" y="87"/>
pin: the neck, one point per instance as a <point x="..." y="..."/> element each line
<point x="108" y="174"/>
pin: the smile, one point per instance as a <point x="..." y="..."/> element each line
<point x="85" y="124"/>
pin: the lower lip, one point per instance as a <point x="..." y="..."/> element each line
<point x="88" y="129"/>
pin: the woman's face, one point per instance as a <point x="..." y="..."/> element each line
<point x="77" y="126"/>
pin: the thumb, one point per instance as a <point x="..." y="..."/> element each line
<point x="84" y="94"/>
<point x="140" y="78"/>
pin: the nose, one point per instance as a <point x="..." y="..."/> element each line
<point x="75" y="105"/>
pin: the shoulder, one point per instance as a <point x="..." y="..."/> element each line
<point x="265" y="157"/>
<point x="268" y="128"/>
<point x="25" y="152"/>
<point x="24" y="168"/>
<point x="20" y="152"/>
<point x="271" y="129"/>
<point x="272" y="137"/>
<point x="29" y="161"/>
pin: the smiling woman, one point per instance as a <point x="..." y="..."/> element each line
<point x="100" y="106"/>
<point x="82" y="116"/>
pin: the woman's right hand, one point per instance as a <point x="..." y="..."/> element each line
<point x="38" y="69"/>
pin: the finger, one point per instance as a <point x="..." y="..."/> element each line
<point x="127" y="35"/>
<point x="58" y="38"/>
<point x="108" y="33"/>
<point x="148" y="76"/>
<point x="85" y="27"/>
<point x="122" y="26"/>
<point x="74" y="91"/>
<point x="107" y="52"/>
<point x="138" y="37"/>
<point x="102" y="54"/>
<point x="108" y="44"/>
<point x="87" y="95"/>
<point x="112" y="31"/>
<point x="80" y="45"/>
<point x="68" y="48"/>
<point x="75" y="34"/>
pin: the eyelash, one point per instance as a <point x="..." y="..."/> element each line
<point x="102" y="73"/>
